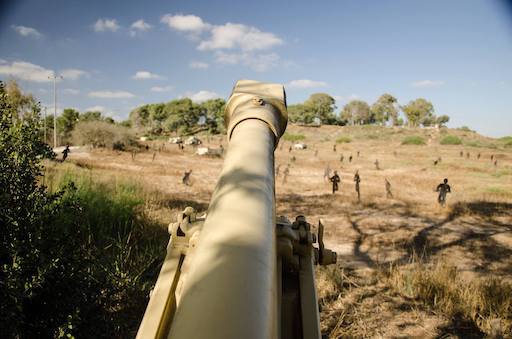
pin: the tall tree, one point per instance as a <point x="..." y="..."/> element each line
<point x="356" y="112"/>
<point x="66" y="123"/>
<point x="442" y="120"/>
<point x="22" y="103"/>
<point x="384" y="109"/>
<point x="214" y="112"/>
<point x="418" y="111"/>
<point x="321" y="105"/>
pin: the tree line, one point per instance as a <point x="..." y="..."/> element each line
<point x="181" y="115"/>
<point x="321" y="108"/>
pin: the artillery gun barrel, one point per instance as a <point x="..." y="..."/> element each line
<point x="239" y="272"/>
<point x="230" y="290"/>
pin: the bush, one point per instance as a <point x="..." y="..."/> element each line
<point x="103" y="134"/>
<point x="293" y="137"/>
<point x="450" y="140"/>
<point x="465" y="129"/>
<point x="76" y="260"/>
<point x="413" y="140"/>
<point x="343" y="139"/>
<point x="507" y="141"/>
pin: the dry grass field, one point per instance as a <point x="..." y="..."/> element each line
<point x="407" y="268"/>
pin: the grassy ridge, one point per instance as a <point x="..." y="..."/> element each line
<point x="125" y="250"/>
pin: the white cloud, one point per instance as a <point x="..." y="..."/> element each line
<point x="31" y="72"/>
<point x="427" y="83"/>
<point x="73" y="73"/>
<point x="111" y="94"/>
<point x="71" y="91"/>
<point x="258" y="62"/>
<point x="145" y="75"/>
<point x="306" y="83"/>
<point x="25" y="71"/>
<point x="185" y="23"/>
<point x="103" y="25"/>
<point x="201" y="96"/>
<point x="162" y="88"/>
<point x="27" y="31"/>
<point x="243" y="41"/>
<point x="247" y="38"/>
<point x="96" y="109"/>
<point x="141" y="25"/>
<point x="348" y="98"/>
<point x="198" y="65"/>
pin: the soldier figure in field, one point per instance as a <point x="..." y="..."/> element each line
<point x="186" y="178"/>
<point x="350" y="158"/>
<point x="285" y="173"/>
<point x="357" y="180"/>
<point x="496" y="163"/>
<point x="316" y="153"/>
<point x="492" y="157"/>
<point x="341" y="158"/>
<point x="65" y="153"/>
<point x="327" y="172"/>
<point x="290" y="149"/>
<point x="358" y="154"/>
<point x="377" y="164"/>
<point x="335" y="179"/>
<point x="467" y="155"/>
<point x="461" y="154"/>
<point x="388" y="189"/>
<point x="478" y="156"/>
<point x="443" y="188"/>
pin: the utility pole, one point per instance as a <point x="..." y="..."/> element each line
<point x="55" y="76"/>
<point x="44" y="124"/>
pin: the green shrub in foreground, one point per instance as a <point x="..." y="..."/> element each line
<point x="77" y="261"/>
<point x="451" y="140"/>
<point x="413" y="140"/>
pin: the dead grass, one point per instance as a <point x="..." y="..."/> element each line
<point x="362" y="297"/>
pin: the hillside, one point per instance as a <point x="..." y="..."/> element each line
<point x="381" y="242"/>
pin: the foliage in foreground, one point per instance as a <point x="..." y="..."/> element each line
<point x="78" y="260"/>
<point x="478" y="308"/>
<point x="485" y="302"/>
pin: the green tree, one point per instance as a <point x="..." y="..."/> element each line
<point x="322" y="106"/>
<point x="183" y="115"/>
<point x="442" y="120"/>
<point x="91" y="116"/>
<point x="214" y="112"/>
<point x="418" y="111"/>
<point x="384" y="109"/>
<point x="140" y="116"/>
<point x="66" y="123"/>
<point x="22" y="103"/>
<point x="300" y="114"/>
<point x="356" y="112"/>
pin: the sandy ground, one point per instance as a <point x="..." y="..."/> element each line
<point x="473" y="232"/>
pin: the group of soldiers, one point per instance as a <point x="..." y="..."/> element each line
<point x="443" y="188"/>
<point x="468" y="155"/>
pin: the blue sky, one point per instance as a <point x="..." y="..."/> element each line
<point x="116" y="55"/>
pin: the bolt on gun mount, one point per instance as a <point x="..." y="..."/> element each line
<point x="239" y="272"/>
